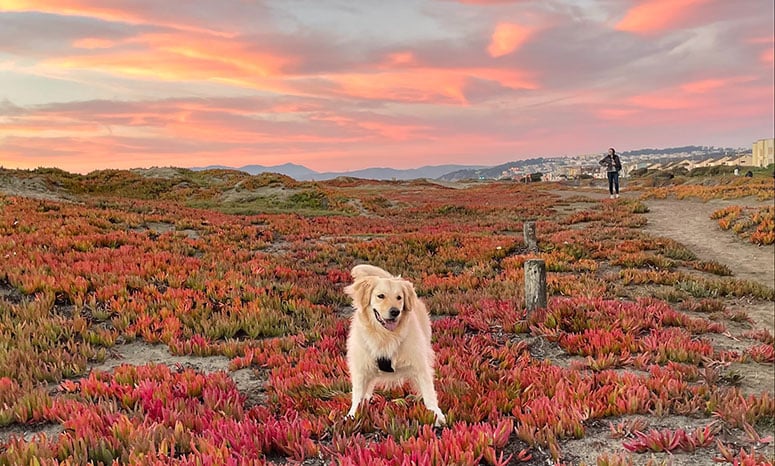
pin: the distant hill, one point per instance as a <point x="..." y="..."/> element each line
<point x="471" y="172"/>
<point x="431" y="172"/>
<point x="488" y="173"/>
<point x="670" y="150"/>
<point x="541" y="164"/>
<point x="297" y="172"/>
<point x="302" y="173"/>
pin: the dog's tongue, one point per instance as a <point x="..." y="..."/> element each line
<point x="389" y="324"/>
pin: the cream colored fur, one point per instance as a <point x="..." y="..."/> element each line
<point x="407" y="346"/>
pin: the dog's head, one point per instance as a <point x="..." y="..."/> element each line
<point x="385" y="301"/>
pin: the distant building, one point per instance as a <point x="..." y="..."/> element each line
<point x="763" y="152"/>
<point x="743" y="160"/>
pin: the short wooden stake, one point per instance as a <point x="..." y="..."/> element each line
<point x="529" y="233"/>
<point x="535" y="284"/>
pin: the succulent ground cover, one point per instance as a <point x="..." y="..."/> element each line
<point x="642" y="346"/>
<point x="755" y="224"/>
<point x="722" y="187"/>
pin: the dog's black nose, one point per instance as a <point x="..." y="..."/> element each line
<point x="394" y="311"/>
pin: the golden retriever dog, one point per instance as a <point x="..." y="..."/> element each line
<point x="390" y="338"/>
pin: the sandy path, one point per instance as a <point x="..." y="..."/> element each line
<point x="689" y="223"/>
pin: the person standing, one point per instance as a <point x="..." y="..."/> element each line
<point x="613" y="165"/>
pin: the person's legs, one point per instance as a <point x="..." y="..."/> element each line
<point x="611" y="182"/>
<point x="616" y="183"/>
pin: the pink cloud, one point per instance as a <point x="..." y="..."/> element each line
<point x="110" y="131"/>
<point x="176" y="56"/>
<point x="399" y="60"/>
<point x="94" y="43"/>
<point x="137" y="12"/>
<point x="507" y="38"/>
<point x="768" y="56"/>
<point x="654" y="16"/>
<point x="615" y="113"/>
<point x="704" y="86"/>
<point x="709" y="102"/>
<point x="490" y="2"/>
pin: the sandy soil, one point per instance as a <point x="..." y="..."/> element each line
<point x="34" y="187"/>
<point x="689" y="223"/>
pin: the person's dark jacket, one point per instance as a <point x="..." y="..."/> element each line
<point x="611" y="163"/>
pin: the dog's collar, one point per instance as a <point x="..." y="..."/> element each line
<point x="385" y="365"/>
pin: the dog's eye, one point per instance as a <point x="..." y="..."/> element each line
<point x="399" y="297"/>
<point x="381" y="296"/>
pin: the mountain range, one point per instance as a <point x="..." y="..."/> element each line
<point x="464" y="172"/>
<point x="302" y="173"/>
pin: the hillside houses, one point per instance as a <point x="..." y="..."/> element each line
<point x="737" y="160"/>
<point x="587" y="165"/>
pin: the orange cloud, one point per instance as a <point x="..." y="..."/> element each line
<point x="428" y="85"/>
<point x="615" y="113"/>
<point x="224" y="122"/>
<point x="47" y="128"/>
<point x="703" y="86"/>
<point x="721" y="101"/>
<point x="376" y="128"/>
<point x="654" y="16"/>
<point x="399" y="59"/>
<point x="768" y="56"/>
<point x="707" y="85"/>
<point x="107" y="11"/>
<point x="507" y="38"/>
<point x="180" y="57"/>
<point x="664" y="100"/>
<point x="425" y="85"/>
<point x="487" y="2"/>
<point x="94" y="43"/>
<point x="395" y="131"/>
<point x="100" y="134"/>
<point x="186" y="55"/>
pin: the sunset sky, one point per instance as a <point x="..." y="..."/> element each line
<point x="339" y="85"/>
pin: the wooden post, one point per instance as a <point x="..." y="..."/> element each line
<point x="535" y="284"/>
<point x="529" y="233"/>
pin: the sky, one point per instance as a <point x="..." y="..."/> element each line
<point x="340" y="85"/>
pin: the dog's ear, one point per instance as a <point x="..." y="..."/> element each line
<point x="410" y="296"/>
<point x="360" y="291"/>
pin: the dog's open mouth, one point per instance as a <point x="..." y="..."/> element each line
<point x="389" y="324"/>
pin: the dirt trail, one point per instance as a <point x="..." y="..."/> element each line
<point x="689" y="223"/>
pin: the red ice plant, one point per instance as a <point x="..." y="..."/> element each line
<point x="265" y="291"/>
<point x="670" y="440"/>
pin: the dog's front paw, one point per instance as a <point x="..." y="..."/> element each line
<point x="441" y="421"/>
